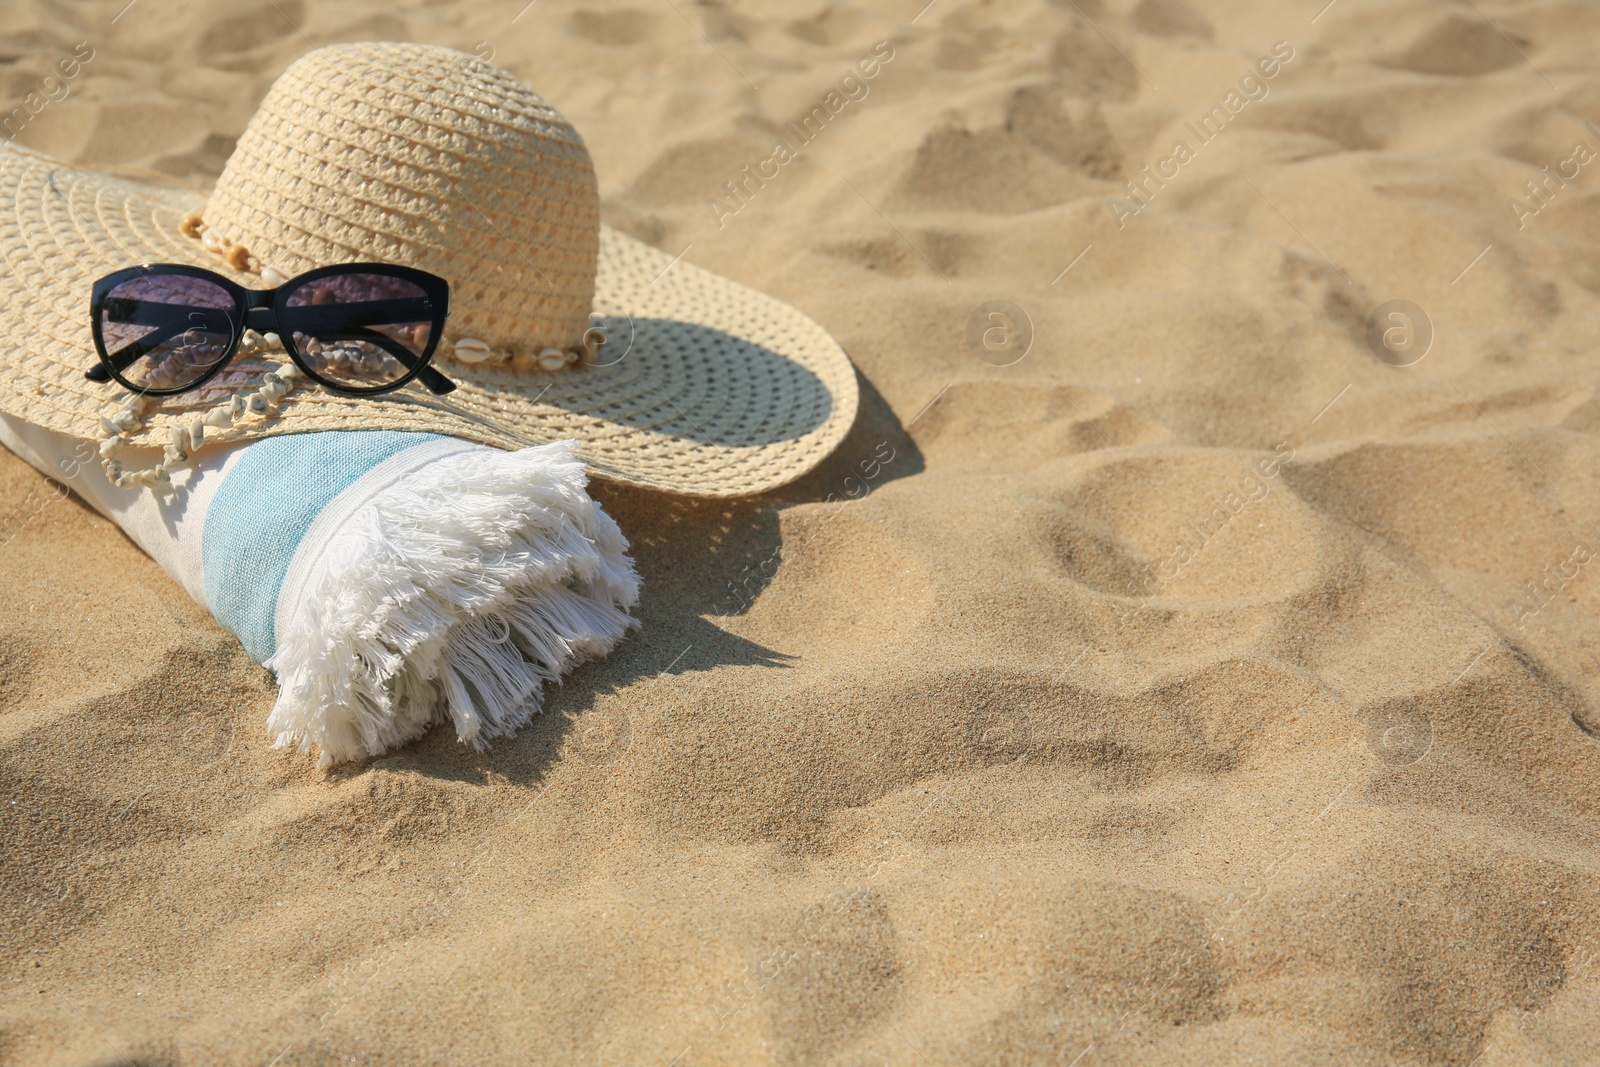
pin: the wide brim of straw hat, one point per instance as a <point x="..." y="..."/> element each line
<point x="705" y="387"/>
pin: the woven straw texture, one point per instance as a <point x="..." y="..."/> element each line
<point x="429" y="157"/>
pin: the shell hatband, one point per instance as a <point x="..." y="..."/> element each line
<point x="275" y="385"/>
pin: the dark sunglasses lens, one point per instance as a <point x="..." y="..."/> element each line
<point x="360" y="331"/>
<point x="166" y="331"/>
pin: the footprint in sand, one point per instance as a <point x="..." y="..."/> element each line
<point x="1171" y="18"/>
<point x="1461" y="46"/>
<point x="832" y="25"/>
<point x="253" y="25"/>
<point x="616" y="28"/>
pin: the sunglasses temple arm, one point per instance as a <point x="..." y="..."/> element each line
<point x="435" y="382"/>
<point x="128" y="355"/>
<point x="318" y="319"/>
<point x="170" y="320"/>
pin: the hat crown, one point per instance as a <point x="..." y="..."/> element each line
<point x="431" y="158"/>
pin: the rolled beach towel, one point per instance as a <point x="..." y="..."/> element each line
<point x="389" y="579"/>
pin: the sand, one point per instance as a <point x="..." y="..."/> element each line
<point x="1197" y="687"/>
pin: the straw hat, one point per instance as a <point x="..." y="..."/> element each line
<point x="428" y="157"/>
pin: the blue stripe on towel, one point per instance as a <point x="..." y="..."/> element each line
<point x="273" y="492"/>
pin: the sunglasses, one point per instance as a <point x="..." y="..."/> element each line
<point x="357" y="328"/>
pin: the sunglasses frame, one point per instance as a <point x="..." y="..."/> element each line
<point x="263" y="310"/>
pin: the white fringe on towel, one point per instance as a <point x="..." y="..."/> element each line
<point x="459" y="591"/>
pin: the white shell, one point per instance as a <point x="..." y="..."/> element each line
<point x="210" y="240"/>
<point x="126" y="420"/>
<point x="110" y="447"/>
<point x="271" y="340"/>
<point x="471" y="350"/>
<point x="197" y="432"/>
<point x="219" y="419"/>
<point x="273" y="276"/>
<point x="109" y="428"/>
<point x="237" y="406"/>
<point x="258" y="404"/>
<point x="180" y="439"/>
<point x="552" y="359"/>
